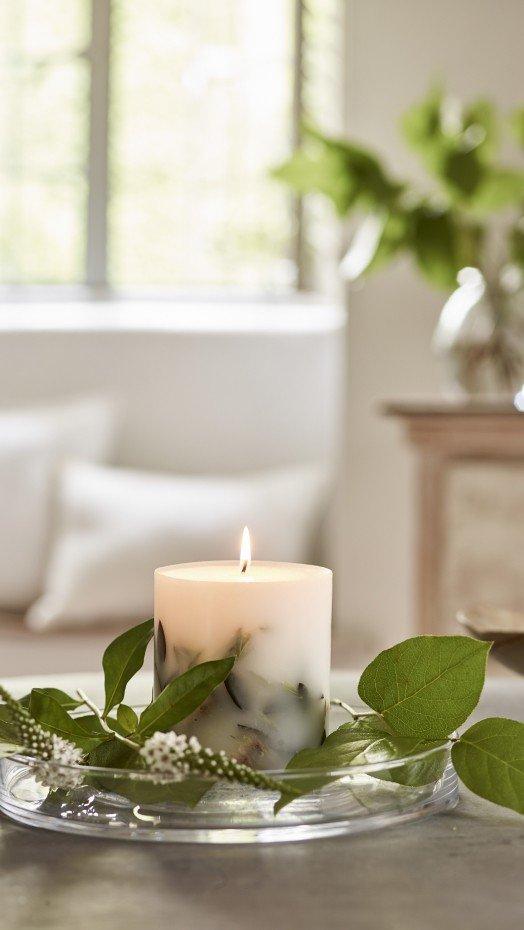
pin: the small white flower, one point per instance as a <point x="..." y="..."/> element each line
<point x="164" y="754"/>
<point x="55" y="772"/>
<point x="194" y="745"/>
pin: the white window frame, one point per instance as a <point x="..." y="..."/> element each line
<point x="98" y="145"/>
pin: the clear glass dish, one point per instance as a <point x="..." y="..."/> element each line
<point x="131" y="805"/>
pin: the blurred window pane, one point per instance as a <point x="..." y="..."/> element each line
<point x="202" y="102"/>
<point x="201" y="108"/>
<point x="43" y="122"/>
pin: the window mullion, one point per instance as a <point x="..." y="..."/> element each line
<point x="98" y="160"/>
<point x="298" y="244"/>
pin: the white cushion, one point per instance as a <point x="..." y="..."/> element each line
<point x="33" y="442"/>
<point x="115" y="526"/>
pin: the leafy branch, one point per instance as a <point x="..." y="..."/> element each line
<point x="444" y="227"/>
<point x="417" y="694"/>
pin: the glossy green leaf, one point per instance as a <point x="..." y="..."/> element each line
<point x="122" y="659"/>
<point x="8" y="730"/>
<point x="364" y="741"/>
<point x="56" y="719"/>
<point x="489" y="759"/>
<point x="426" y="686"/>
<point x="187" y="792"/>
<point x="183" y="695"/>
<point x="127" y="718"/>
<point x="92" y="725"/>
<point x="70" y="703"/>
<point x="112" y="753"/>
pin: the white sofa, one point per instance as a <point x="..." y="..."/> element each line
<point x="203" y="388"/>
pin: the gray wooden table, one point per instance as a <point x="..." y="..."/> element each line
<point x="463" y="870"/>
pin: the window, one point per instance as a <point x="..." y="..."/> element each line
<point x="136" y="140"/>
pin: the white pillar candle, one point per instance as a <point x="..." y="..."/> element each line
<point x="277" y="617"/>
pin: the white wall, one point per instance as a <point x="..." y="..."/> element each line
<point x="396" y="48"/>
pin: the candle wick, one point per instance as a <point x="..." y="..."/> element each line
<point x="244" y="566"/>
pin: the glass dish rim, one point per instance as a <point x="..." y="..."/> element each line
<point x="283" y="775"/>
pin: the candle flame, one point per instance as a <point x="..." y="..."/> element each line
<point x="245" y="551"/>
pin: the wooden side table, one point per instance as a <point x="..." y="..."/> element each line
<point x="468" y="528"/>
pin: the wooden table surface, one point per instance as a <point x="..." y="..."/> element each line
<point x="463" y="869"/>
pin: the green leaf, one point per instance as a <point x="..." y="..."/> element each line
<point x="421" y="127"/>
<point x="122" y="659"/>
<point x="65" y="700"/>
<point x="56" y="719"/>
<point x="92" y="725"/>
<point x="187" y="792"/>
<point x="394" y="237"/>
<point x="321" y="172"/>
<point x="112" y="753"/>
<point x="127" y="718"/>
<point x="501" y="187"/>
<point x="362" y="742"/>
<point x="463" y="172"/>
<point x="435" y="246"/>
<point x="516" y="244"/>
<point x="344" y="172"/>
<point x="183" y="695"/>
<point x="383" y="745"/>
<point x="454" y="140"/>
<point x="8" y="730"/>
<point x="517" y="125"/>
<point x="426" y="686"/>
<point x="489" y="759"/>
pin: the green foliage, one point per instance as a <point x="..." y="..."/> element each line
<point x="112" y="753"/>
<point x="56" y="719"/>
<point x="364" y="741"/>
<point x="516" y="244"/>
<point x="443" y="232"/>
<point x="8" y="730"/>
<point x="187" y="792"/>
<point x="426" y="686"/>
<point x="517" y="125"/>
<point x="70" y="703"/>
<point x="127" y="718"/>
<point x="345" y="173"/>
<point x="122" y="659"/>
<point x="435" y="245"/>
<point x="419" y="691"/>
<point x="489" y="758"/>
<point x="183" y="695"/>
<point x="457" y="144"/>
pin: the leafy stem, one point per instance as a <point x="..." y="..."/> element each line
<point x="416" y="694"/>
<point x="106" y="728"/>
<point x="353" y="713"/>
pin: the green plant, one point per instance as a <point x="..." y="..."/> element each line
<point x="443" y="228"/>
<point x="417" y="694"/>
<point x="471" y="213"/>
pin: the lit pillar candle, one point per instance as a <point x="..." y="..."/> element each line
<point x="276" y="617"/>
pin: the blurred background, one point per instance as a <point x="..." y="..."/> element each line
<point x="260" y="263"/>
